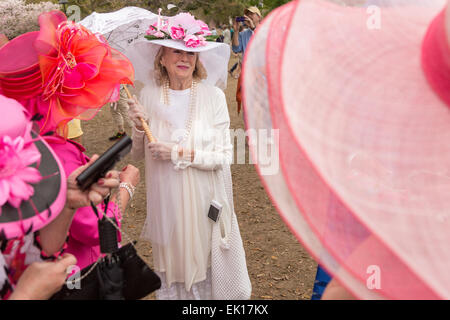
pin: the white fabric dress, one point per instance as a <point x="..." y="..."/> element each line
<point x="179" y="193"/>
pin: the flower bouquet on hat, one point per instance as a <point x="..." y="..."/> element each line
<point x="62" y="72"/>
<point x="183" y="27"/>
<point x="362" y="115"/>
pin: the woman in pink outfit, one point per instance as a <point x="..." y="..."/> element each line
<point x="37" y="203"/>
<point x="59" y="80"/>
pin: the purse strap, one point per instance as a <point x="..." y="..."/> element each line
<point x="119" y="205"/>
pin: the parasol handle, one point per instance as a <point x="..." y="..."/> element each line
<point x="148" y="133"/>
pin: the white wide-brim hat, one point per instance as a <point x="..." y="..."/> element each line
<point x="360" y="97"/>
<point x="214" y="56"/>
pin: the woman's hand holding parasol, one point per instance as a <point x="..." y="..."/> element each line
<point x="142" y="121"/>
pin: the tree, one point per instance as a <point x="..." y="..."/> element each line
<point x="211" y="11"/>
<point x="18" y="17"/>
<point x="269" y="5"/>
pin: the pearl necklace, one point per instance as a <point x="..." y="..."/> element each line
<point x="192" y="103"/>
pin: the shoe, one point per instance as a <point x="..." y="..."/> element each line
<point x="118" y="135"/>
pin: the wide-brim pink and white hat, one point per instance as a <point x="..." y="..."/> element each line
<point x="182" y="32"/>
<point x="360" y="98"/>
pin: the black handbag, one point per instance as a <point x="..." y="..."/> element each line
<point x="131" y="278"/>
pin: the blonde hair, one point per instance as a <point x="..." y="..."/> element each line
<point x="161" y="72"/>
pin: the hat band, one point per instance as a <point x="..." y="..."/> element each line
<point x="22" y="86"/>
<point x="22" y="93"/>
<point x="436" y="58"/>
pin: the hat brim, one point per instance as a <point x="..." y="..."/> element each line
<point x="179" y="44"/>
<point x="361" y="149"/>
<point x="44" y="206"/>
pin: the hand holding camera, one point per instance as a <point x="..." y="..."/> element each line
<point x="78" y="198"/>
<point x="106" y="162"/>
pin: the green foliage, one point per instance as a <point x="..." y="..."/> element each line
<point x="269" y="5"/>
<point x="18" y="17"/>
<point x="212" y="38"/>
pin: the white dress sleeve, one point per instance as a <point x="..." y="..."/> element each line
<point x="221" y="152"/>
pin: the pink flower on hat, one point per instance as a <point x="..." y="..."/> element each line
<point x="183" y="19"/>
<point x="153" y="30"/>
<point x="184" y="27"/>
<point x="192" y="41"/>
<point x="204" y="29"/>
<point x="159" y="34"/>
<point x="177" y="33"/>
<point x="202" y="40"/>
<point x="16" y="175"/>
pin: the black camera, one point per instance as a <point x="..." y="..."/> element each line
<point x="105" y="163"/>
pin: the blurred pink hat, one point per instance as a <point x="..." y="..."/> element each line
<point x="361" y="99"/>
<point x="32" y="181"/>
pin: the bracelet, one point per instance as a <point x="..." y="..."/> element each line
<point x="127" y="186"/>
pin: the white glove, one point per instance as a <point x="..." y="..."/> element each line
<point x="114" y="105"/>
<point x="135" y="112"/>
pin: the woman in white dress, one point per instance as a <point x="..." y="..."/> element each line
<point x="227" y="35"/>
<point x="189" y="164"/>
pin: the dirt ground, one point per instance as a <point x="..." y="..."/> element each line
<point x="279" y="267"/>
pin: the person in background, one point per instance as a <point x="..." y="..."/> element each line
<point x="119" y="113"/>
<point x="240" y="40"/>
<point x="226" y="35"/>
